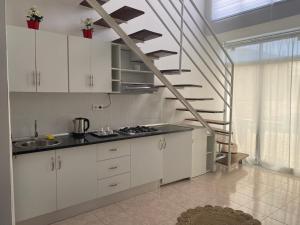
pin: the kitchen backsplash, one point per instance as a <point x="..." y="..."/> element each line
<point x="55" y="112"/>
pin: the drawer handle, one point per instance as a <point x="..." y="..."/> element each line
<point x="113" y="150"/>
<point x="113" y="185"/>
<point x="113" y="168"/>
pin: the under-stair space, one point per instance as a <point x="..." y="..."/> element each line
<point x="133" y="70"/>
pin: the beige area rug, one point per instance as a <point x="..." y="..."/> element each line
<point x="209" y="215"/>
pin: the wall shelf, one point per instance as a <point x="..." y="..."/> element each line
<point x="130" y="77"/>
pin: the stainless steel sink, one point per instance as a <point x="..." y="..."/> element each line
<point x="37" y="143"/>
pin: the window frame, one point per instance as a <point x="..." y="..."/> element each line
<point x="243" y="12"/>
<point x="253" y="17"/>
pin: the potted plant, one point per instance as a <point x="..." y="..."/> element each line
<point x="34" y="18"/>
<point x="88" y="29"/>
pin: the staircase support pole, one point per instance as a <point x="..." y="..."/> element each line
<point x="230" y="118"/>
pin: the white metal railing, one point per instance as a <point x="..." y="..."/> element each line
<point x="226" y="71"/>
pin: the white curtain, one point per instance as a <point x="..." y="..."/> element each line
<point x="267" y="103"/>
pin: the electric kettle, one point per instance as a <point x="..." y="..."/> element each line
<point x="81" y="126"/>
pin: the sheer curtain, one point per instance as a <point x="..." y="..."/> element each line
<point x="267" y="103"/>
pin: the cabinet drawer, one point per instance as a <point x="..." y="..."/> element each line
<point x="113" y="150"/>
<point x="112" y="167"/>
<point x="113" y="184"/>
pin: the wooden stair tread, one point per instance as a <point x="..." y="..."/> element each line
<point x="140" y="36"/>
<point x="191" y="99"/>
<point x="202" y="110"/>
<point x="175" y="71"/>
<point x="223" y="142"/>
<point x="235" y="158"/>
<point x="182" y="85"/>
<point x="160" y="53"/>
<point x="86" y="4"/>
<point x="121" y="15"/>
<point x="216" y="122"/>
<point x="221" y="131"/>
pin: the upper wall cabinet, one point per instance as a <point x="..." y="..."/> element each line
<point x="21" y="59"/>
<point x="89" y="65"/>
<point x="51" y="62"/>
<point x="37" y="61"/>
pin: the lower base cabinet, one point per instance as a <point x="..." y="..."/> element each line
<point x="113" y="184"/>
<point x="34" y="184"/>
<point x="76" y="176"/>
<point x="54" y="180"/>
<point x="146" y="160"/>
<point x="177" y="157"/>
<point x="199" y="156"/>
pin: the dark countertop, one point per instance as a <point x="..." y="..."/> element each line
<point x="68" y="141"/>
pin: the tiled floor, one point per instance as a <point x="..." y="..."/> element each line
<point x="271" y="197"/>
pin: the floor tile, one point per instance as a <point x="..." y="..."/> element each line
<point x="268" y="196"/>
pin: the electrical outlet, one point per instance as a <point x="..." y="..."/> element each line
<point x="96" y="107"/>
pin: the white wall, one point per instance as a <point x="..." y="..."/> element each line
<point x="6" y="196"/>
<point x="56" y="114"/>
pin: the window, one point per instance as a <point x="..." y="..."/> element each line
<point x="225" y="8"/>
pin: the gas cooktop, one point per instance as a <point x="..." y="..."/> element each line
<point x="137" y="130"/>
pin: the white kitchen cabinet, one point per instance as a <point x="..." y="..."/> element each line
<point x="34" y="184"/>
<point x="146" y="160"/>
<point x="113" y="184"/>
<point x="76" y="175"/>
<point x="37" y="60"/>
<point x="199" y="155"/>
<point x="89" y="65"/>
<point x="51" y="62"/>
<point x="101" y="66"/>
<point x="21" y="59"/>
<point x="177" y="156"/>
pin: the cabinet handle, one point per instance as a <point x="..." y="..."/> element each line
<point x="59" y="163"/>
<point x="92" y="80"/>
<point x="113" y="185"/>
<point x="113" y="168"/>
<point x="34" y="78"/>
<point x="52" y="164"/>
<point x="165" y="144"/>
<point x="90" y="77"/>
<point x="39" y="78"/>
<point x="113" y="150"/>
<point x="160" y="144"/>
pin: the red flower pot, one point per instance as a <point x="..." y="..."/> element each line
<point x="87" y="33"/>
<point x="33" y="24"/>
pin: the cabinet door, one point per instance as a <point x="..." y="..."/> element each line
<point x="80" y="79"/>
<point x="34" y="184"/>
<point x="51" y="62"/>
<point x="76" y="176"/>
<point x="146" y="160"/>
<point x="177" y="157"/>
<point x="21" y="59"/>
<point x="199" y="152"/>
<point x="101" y="66"/>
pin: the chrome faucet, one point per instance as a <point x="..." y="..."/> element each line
<point x="36" y="134"/>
